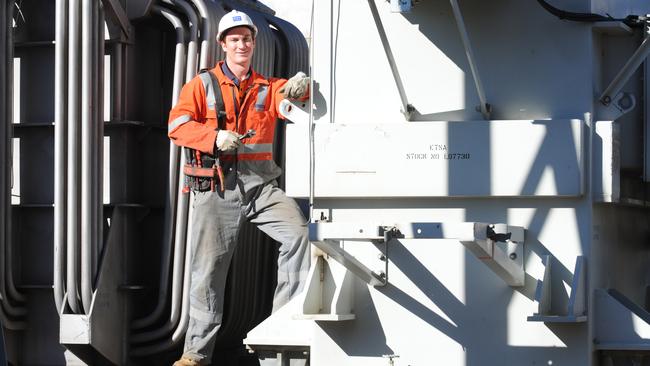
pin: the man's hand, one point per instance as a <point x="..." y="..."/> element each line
<point x="296" y="87"/>
<point x="227" y="140"/>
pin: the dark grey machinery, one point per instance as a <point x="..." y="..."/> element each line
<point x="94" y="235"/>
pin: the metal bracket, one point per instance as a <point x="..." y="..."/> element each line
<point x="576" y="309"/>
<point x="612" y="93"/>
<point x="351" y="263"/>
<point x="499" y="246"/>
<point x="295" y="111"/>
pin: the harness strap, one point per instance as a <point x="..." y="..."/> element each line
<point x="221" y="107"/>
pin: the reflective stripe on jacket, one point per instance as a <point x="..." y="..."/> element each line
<point x="252" y="105"/>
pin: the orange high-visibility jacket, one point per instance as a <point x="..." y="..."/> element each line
<point x="252" y="105"/>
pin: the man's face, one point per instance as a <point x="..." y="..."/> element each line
<point x="238" y="44"/>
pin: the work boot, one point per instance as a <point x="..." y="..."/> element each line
<point x="184" y="361"/>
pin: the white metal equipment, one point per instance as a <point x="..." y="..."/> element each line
<point x="520" y="144"/>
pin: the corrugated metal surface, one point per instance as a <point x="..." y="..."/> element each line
<point x="296" y="57"/>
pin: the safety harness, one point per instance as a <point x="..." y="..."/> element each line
<point x="203" y="169"/>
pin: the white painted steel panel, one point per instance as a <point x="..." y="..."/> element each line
<point x="439" y="159"/>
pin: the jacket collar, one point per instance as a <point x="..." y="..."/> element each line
<point x="226" y="76"/>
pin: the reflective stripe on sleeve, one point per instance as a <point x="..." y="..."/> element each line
<point x="261" y="97"/>
<point x="178" y="121"/>
<point x="209" y="91"/>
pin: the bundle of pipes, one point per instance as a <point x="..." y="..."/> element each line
<point x="194" y="26"/>
<point x="195" y="23"/>
<point x="78" y="151"/>
<point x="11" y="311"/>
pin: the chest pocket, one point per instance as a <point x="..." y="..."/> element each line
<point x="264" y="125"/>
<point x="259" y="118"/>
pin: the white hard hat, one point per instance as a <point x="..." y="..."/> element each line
<point x="235" y="19"/>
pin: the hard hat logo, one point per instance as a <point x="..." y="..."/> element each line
<point x="234" y="19"/>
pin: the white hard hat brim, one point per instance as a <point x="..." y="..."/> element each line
<point x="224" y="32"/>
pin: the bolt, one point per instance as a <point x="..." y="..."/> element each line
<point x="606" y="100"/>
<point x="513" y="256"/>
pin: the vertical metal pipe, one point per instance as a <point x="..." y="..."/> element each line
<point x="216" y="11"/>
<point x="207" y="33"/>
<point x="192" y="51"/>
<point x="94" y="198"/>
<point x="99" y="133"/>
<point x="170" y="203"/>
<point x="185" y="308"/>
<point x="94" y="121"/>
<point x="87" y="120"/>
<point x="182" y="256"/>
<point x="73" y="212"/>
<point x="60" y="170"/>
<point x="179" y="332"/>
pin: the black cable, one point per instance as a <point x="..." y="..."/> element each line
<point x="630" y="20"/>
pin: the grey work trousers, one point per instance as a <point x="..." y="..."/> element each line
<point x="216" y="223"/>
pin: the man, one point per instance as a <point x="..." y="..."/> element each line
<point x="233" y="178"/>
